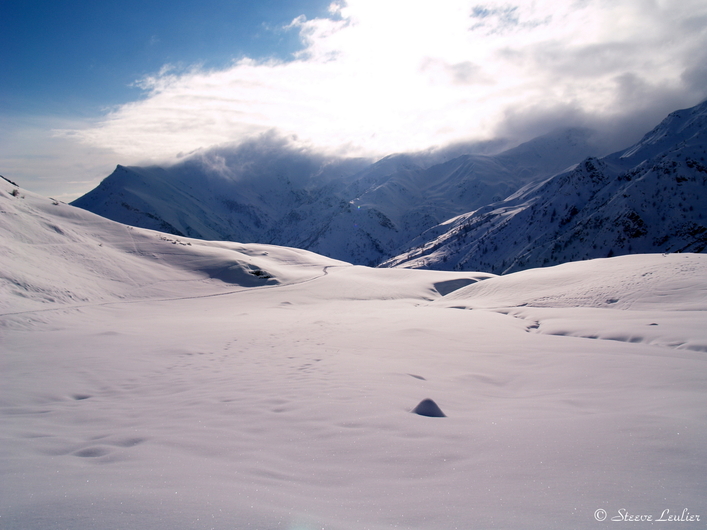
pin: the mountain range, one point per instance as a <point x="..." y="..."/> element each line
<point x="544" y="202"/>
<point x="651" y="197"/>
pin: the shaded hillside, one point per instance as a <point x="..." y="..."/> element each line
<point x="649" y="198"/>
<point x="346" y="209"/>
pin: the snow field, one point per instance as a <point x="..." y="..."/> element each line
<point x="155" y="394"/>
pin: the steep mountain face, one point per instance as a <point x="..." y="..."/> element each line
<point x="651" y="197"/>
<point x="231" y="195"/>
<point x="345" y="209"/>
<point x="415" y="199"/>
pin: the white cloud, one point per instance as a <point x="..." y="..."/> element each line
<point x="379" y="77"/>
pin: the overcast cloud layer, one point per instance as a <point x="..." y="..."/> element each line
<point x="400" y="75"/>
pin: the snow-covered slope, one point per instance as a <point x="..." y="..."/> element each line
<point x="55" y="253"/>
<point x="235" y="194"/>
<point x="651" y="197"/>
<point x="154" y="381"/>
<point x="334" y="207"/>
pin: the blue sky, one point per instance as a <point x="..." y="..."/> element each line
<point x="79" y="56"/>
<point x="88" y="85"/>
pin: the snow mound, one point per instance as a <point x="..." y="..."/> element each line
<point x="639" y="282"/>
<point x="650" y="299"/>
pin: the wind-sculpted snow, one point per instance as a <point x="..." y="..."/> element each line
<point x="643" y="282"/>
<point x="615" y="299"/>
<point x="153" y="381"/>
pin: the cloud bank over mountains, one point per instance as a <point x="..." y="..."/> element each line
<point x="405" y="75"/>
<point x="376" y="78"/>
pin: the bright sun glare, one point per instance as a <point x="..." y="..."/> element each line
<point x="379" y="77"/>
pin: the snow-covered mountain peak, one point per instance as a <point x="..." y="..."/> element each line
<point x="569" y="142"/>
<point x="385" y="212"/>
<point x="680" y="125"/>
<point x="651" y="199"/>
<point x="273" y="193"/>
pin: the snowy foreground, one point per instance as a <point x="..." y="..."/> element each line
<point x="154" y="382"/>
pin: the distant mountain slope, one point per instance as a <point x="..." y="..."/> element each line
<point x="232" y="195"/>
<point x="344" y="209"/>
<point x="651" y="197"/>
